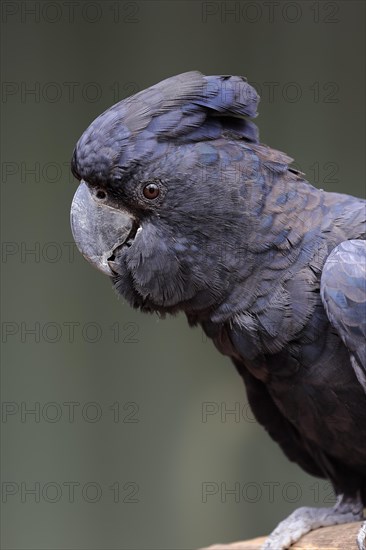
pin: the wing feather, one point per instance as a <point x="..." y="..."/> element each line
<point x="343" y="291"/>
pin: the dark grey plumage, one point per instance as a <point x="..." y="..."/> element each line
<point x="241" y="243"/>
<point x="343" y="291"/>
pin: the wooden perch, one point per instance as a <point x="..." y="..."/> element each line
<point x="338" y="537"/>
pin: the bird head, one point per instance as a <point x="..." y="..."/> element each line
<point x="161" y="181"/>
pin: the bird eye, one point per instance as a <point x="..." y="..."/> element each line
<point x="151" y="191"/>
<point x="101" y="194"/>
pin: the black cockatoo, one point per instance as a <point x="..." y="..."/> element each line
<point x="185" y="210"/>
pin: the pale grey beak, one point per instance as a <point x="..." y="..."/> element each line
<point x="97" y="227"/>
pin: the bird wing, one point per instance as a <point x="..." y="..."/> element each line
<point x="343" y="291"/>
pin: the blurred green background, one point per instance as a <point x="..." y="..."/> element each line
<point x="131" y="444"/>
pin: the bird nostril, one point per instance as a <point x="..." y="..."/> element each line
<point x="101" y="194"/>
